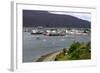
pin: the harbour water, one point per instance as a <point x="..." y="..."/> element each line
<point x="35" y="46"/>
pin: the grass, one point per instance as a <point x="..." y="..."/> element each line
<point x="77" y="51"/>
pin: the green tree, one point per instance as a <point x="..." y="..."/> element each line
<point x="76" y="51"/>
<point x="73" y="47"/>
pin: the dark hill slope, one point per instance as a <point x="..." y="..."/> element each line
<point x="45" y="19"/>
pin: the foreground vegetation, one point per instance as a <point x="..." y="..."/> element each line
<point x="76" y="51"/>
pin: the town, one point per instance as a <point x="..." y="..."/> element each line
<point x="57" y="31"/>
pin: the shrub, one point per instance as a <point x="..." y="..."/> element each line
<point x="76" y="51"/>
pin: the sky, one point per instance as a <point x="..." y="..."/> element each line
<point x="84" y="16"/>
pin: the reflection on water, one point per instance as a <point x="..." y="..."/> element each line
<point x="36" y="45"/>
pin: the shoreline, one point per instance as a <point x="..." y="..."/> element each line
<point x="50" y="56"/>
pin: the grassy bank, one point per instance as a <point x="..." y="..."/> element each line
<point x="77" y="51"/>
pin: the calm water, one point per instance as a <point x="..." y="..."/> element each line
<point x="33" y="48"/>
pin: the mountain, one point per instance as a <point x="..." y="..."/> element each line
<point x="34" y="18"/>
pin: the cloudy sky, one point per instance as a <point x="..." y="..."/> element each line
<point x="84" y="16"/>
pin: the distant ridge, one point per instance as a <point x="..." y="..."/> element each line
<point x="44" y="18"/>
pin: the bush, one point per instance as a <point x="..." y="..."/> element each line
<point x="79" y="51"/>
<point x="64" y="51"/>
<point x="73" y="47"/>
<point x="76" y="51"/>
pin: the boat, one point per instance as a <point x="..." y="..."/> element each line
<point x="54" y="34"/>
<point x="36" y="32"/>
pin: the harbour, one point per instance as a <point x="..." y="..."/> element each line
<point x="35" y="46"/>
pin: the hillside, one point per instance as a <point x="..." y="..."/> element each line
<point x="44" y="18"/>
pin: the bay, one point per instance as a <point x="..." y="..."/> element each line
<point x="33" y="48"/>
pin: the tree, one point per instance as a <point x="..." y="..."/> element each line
<point x="73" y="47"/>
